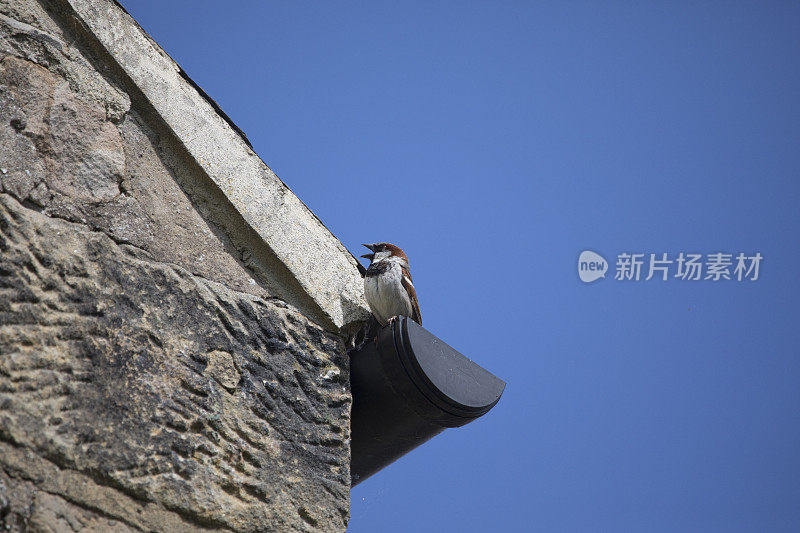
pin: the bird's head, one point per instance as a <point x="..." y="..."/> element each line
<point x="383" y="250"/>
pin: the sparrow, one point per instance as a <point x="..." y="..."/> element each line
<point x="387" y="284"/>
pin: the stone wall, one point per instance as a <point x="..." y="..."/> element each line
<point x="165" y="363"/>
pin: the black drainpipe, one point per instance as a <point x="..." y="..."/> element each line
<point x="408" y="386"/>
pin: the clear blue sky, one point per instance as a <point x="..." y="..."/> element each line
<point x="494" y="141"/>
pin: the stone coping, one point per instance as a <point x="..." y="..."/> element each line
<point x="288" y="230"/>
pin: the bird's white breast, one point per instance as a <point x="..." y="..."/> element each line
<point x="386" y="295"/>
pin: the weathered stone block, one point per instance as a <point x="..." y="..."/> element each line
<point x="217" y="405"/>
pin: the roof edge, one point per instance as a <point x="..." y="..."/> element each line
<point x="323" y="269"/>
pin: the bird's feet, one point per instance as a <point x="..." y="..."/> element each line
<point x="391" y="320"/>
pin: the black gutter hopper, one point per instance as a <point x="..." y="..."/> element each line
<point x="408" y="386"/>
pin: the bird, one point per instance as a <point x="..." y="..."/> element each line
<point x="387" y="284"/>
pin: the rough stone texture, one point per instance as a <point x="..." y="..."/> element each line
<point x="152" y="374"/>
<point x="63" y="152"/>
<point x="164" y="387"/>
<point x="23" y="507"/>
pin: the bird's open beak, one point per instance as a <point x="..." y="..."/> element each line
<point x="372" y="248"/>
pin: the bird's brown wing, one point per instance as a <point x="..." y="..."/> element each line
<point x="416" y="316"/>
